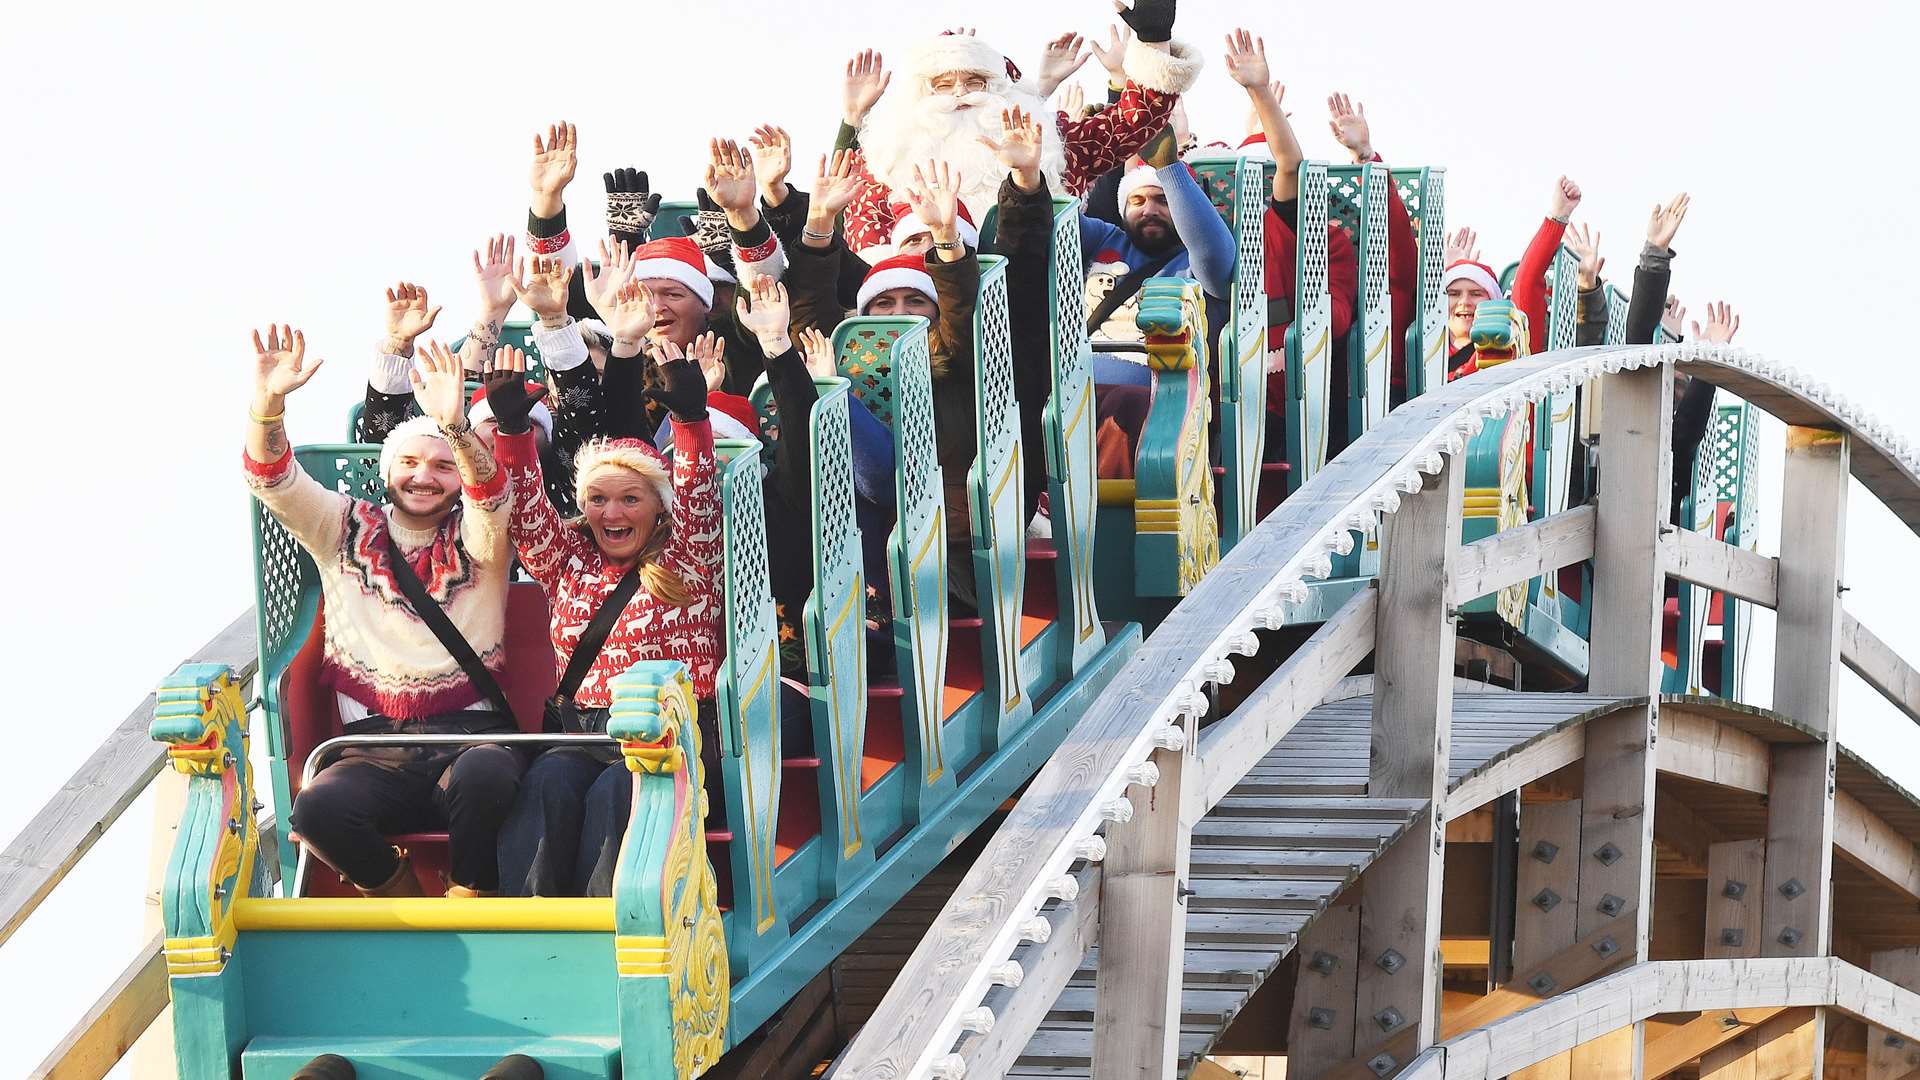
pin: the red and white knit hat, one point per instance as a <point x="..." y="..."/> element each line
<point x="676" y="258"/>
<point x="1136" y="178"/>
<point x="479" y="409"/>
<point x="409" y="428"/>
<point x="1478" y="273"/>
<point x="899" y="272"/>
<point x="906" y="223"/>
<point x="632" y="455"/>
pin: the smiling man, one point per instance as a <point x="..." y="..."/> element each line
<point x="437" y="553"/>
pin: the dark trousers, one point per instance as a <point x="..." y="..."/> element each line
<point x="348" y="809"/>
<point x="563" y="835"/>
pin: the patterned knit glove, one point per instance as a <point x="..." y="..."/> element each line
<point x="630" y="205"/>
<point x="686" y="393"/>
<point x="1152" y="20"/>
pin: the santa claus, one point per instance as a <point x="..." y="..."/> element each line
<point x="954" y="91"/>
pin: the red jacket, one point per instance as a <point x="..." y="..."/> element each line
<point x="1530" y="281"/>
<point x="1343" y="277"/>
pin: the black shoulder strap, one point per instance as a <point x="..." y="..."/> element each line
<point x="1124" y="289"/>
<point x="587" y="649"/>
<point x="443" y="628"/>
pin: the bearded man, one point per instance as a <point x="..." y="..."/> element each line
<point x="960" y="86"/>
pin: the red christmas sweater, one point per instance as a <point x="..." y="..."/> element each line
<point x="570" y="569"/>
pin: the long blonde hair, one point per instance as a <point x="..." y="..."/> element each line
<point x="663" y="582"/>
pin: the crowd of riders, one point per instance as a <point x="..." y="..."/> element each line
<point x="599" y="480"/>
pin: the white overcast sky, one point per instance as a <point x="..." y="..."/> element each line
<point x="180" y="173"/>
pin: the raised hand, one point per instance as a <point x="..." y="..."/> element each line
<point x="1114" y="56"/>
<point x="935" y="198"/>
<point x="709" y="351"/>
<point x="772" y="160"/>
<point x="838" y="181"/>
<point x="279" y="366"/>
<point x="631" y="204"/>
<point x="1673" y="317"/>
<point x="554" y="163"/>
<point x="1464" y="244"/>
<point x="1349" y="123"/>
<point x="816" y="349"/>
<point x="1063" y="56"/>
<point x="1722" y="324"/>
<point x="1073" y="102"/>
<point x="616" y="269"/>
<point x="629" y="316"/>
<point x="493" y="273"/>
<point x="685" y="395"/>
<point x="764" y="312"/>
<point x="729" y="177"/>
<point x="1586" y="246"/>
<point x="867" y="79"/>
<point x="408" y="316"/>
<point x="1665" y="222"/>
<point x="1019" y="147"/>
<point x="1247" y="59"/>
<point x="1152" y="20"/>
<point x="440" y="386"/>
<point x="1566" y="197"/>
<point x="545" y="289"/>
<point x="507" y="393"/>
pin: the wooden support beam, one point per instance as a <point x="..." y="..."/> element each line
<point x="1875" y="661"/>
<point x="1775" y="1049"/>
<point x="1143" y="923"/>
<point x="1701" y="747"/>
<point x="1700" y="559"/>
<point x="1678" y="829"/>
<point x="104" y="1034"/>
<point x="1522" y="554"/>
<point x="1320" y="1030"/>
<point x="1230" y="748"/>
<point x="1045" y="970"/>
<point x="1398" y="986"/>
<point x="1891" y="1056"/>
<point x="1549" y="888"/>
<point x="1616" y="821"/>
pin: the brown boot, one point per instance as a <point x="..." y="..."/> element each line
<point x="402" y="883"/>
<point x="463" y="892"/>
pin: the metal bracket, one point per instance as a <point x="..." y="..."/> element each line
<point x="1391" y="961"/>
<point x="1608" y="854"/>
<point x="1546" y="900"/>
<point x="1734" y="890"/>
<point x="1545" y="850"/>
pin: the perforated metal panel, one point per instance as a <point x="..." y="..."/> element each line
<point x="863" y="347"/>
<point x="1069" y="422"/>
<point x="1617" y="303"/>
<point x="1358" y="204"/>
<point x="1563" y="300"/>
<point x="997" y="494"/>
<point x="1238" y="187"/>
<point x="1309" y="344"/>
<point x="1423" y="191"/>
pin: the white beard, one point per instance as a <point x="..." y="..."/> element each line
<point x="909" y="131"/>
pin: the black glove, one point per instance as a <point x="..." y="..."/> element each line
<point x="630" y="206"/>
<point x="1152" y="20"/>
<point x="512" y="402"/>
<point x="686" y="393"/>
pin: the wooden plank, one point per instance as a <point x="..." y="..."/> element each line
<point x="1522" y="554"/>
<point x="1736" y="871"/>
<point x="1320" y="1029"/>
<point x="1628" y="590"/>
<point x="1806" y="680"/>
<point x="1875" y="662"/>
<point x="1687" y="1042"/>
<point x="1678" y="829"/>
<point x="101" y="1038"/>
<point x="1701" y="747"/>
<point x="1874" y="845"/>
<point x="1891" y="1056"/>
<point x="1143" y="922"/>
<point x="1796" y="910"/>
<point x="1231" y="747"/>
<point x="1783" y="1047"/>
<point x="100" y="790"/>
<point x="1548" y="890"/>
<point x="1700" y="559"/>
<point x="1046" y="969"/>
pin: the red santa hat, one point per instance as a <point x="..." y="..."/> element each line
<point x="1478" y="273"/>
<point x="899" y="272"/>
<point x="906" y="223"/>
<point x="479" y="409"/>
<point x="1136" y="178"/>
<point x="675" y="258"/>
<point x="600" y="456"/>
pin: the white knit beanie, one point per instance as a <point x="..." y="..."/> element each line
<point x="406" y="429"/>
